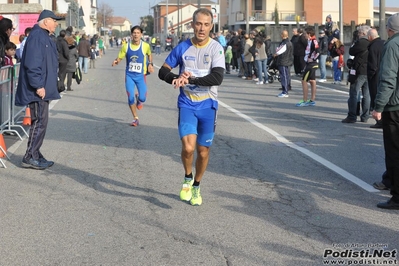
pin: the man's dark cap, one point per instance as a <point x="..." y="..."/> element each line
<point x="48" y="14"/>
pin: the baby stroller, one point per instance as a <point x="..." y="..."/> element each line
<point x="272" y="71"/>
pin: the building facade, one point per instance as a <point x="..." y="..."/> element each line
<point x="24" y="13"/>
<point x="264" y="12"/>
<point x="174" y="17"/>
<point x="121" y="24"/>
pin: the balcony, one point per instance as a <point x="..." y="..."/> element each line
<point x="260" y="16"/>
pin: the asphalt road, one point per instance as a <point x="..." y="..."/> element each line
<point x="284" y="185"/>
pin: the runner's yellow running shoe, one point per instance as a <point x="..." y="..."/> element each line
<point x="196" y="198"/>
<point x="185" y="192"/>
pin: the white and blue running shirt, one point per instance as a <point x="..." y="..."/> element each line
<point x="199" y="60"/>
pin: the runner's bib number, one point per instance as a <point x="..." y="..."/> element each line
<point x="135" y="67"/>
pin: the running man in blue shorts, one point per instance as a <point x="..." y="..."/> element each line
<point x="201" y="68"/>
<point x="136" y="54"/>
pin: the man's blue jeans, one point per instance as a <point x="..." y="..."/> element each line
<point x="85" y="62"/>
<point x="262" y="67"/>
<point x="322" y="66"/>
<point x="354" y="90"/>
<point x="337" y="73"/>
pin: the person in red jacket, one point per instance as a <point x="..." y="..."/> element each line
<point x="337" y="50"/>
<point x="10" y="50"/>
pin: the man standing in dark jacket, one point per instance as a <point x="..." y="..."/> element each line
<point x="84" y="53"/>
<point x="373" y="65"/>
<point x="328" y="28"/>
<point x="323" y="42"/>
<point x="243" y="66"/>
<point x="294" y="40"/>
<point x="284" y="57"/>
<point x="37" y="85"/>
<point x="235" y="44"/>
<point x="387" y="108"/>
<point x="63" y="56"/>
<point x="299" y="52"/>
<point x="360" y="51"/>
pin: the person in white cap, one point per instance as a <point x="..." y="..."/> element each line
<point x="387" y="108"/>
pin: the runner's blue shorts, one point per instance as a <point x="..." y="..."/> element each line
<point x="138" y="81"/>
<point x="199" y="122"/>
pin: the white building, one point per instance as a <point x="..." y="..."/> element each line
<point x="25" y="14"/>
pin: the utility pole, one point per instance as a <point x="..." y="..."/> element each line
<point x="78" y="17"/>
<point x="199" y="4"/>
<point x="381" y="29"/>
<point x="247" y="17"/>
<point x="167" y="22"/>
<point x="341" y="20"/>
<point x="219" y="17"/>
<point x="104" y="19"/>
<point x="178" y="18"/>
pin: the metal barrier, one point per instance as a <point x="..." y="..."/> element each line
<point x="5" y="95"/>
<point x="16" y="111"/>
<point x="9" y="113"/>
<point x="5" y="100"/>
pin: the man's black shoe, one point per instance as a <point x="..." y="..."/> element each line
<point x="35" y="164"/>
<point x="380" y="186"/>
<point x="376" y="125"/>
<point x="390" y="205"/>
<point x="347" y="120"/>
<point x="49" y="163"/>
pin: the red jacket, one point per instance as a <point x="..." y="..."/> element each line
<point x="8" y="61"/>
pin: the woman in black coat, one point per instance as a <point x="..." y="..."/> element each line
<point x="73" y="59"/>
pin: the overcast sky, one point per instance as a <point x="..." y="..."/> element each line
<point x="134" y="9"/>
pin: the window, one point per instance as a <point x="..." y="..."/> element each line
<point x="258" y="4"/>
<point x="18" y="1"/>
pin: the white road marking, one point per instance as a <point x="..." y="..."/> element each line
<point x="348" y="176"/>
<point x="345" y="174"/>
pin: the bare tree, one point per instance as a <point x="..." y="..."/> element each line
<point x="104" y="15"/>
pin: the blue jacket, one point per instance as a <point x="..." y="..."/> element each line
<point x="39" y="65"/>
<point x="222" y="40"/>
